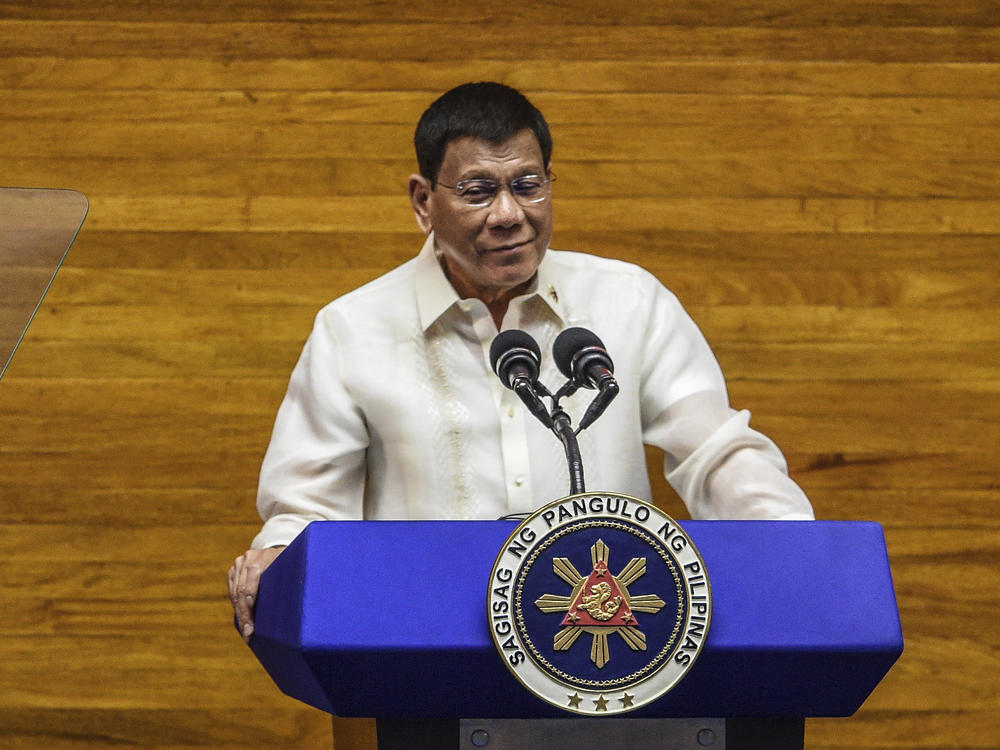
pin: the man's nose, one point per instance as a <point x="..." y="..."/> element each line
<point x="505" y="211"/>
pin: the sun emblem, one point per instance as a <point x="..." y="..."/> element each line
<point x="599" y="604"/>
<point x="541" y="605"/>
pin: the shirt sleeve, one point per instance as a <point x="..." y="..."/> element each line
<point x="719" y="465"/>
<point x="738" y="473"/>
<point x="314" y="468"/>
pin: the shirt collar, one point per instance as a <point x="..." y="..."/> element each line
<point x="435" y="294"/>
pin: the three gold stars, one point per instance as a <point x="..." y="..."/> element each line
<point x="600" y="703"/>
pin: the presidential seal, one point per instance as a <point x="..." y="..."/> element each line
<point x="599" y="603"/>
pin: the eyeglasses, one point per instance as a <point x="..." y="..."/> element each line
<point x="479" y="193"/>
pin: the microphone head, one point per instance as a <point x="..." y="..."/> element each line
<point x="575" y="349"/>
<point x="514" y="347"/>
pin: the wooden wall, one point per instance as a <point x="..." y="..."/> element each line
<point x="818" y="181"/>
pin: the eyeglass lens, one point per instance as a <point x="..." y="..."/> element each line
<point x="529" y="189"/>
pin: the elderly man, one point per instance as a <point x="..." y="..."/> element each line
<point x="392" y="411"/>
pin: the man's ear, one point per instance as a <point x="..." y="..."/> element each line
<point x="420" y="196"/>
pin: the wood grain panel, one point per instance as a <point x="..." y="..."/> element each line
<point x="167" y="729"/>
<point x="414" y="42"/>
<point x="818" y="182"/>
<point x="780" y="13"/>
<point x="749" y="76"/>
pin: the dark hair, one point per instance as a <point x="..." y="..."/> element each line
<point x="491" y="111"/>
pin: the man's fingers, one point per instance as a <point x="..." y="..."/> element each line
<point x="244" y="583"/>
<point x="246" y="593"/>
<point x="234" y="573"/>
<point x="242" y="595"/>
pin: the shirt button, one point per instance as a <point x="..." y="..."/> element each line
<point x="518" y="481"/>
<point x="510" y="412"/>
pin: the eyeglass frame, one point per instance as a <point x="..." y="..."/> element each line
<point x="509" y="184"/>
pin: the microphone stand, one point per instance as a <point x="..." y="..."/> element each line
<point x="563" y="429"/>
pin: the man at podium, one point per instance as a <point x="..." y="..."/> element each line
<point x="392" y="411"/>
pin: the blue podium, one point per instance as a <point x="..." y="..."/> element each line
<point x="389" y="619"/>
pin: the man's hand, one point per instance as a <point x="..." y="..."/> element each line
<point x="244" y="580"/>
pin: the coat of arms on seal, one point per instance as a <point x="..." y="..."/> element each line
<point x="599" y="603"/>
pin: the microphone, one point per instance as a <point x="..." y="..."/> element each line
<point x="580" y="356"/>
<point x="515" y="358"/>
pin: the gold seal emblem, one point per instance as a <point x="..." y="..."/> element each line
<point x="646" y="623"/>
<point x="595" y="605"/>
